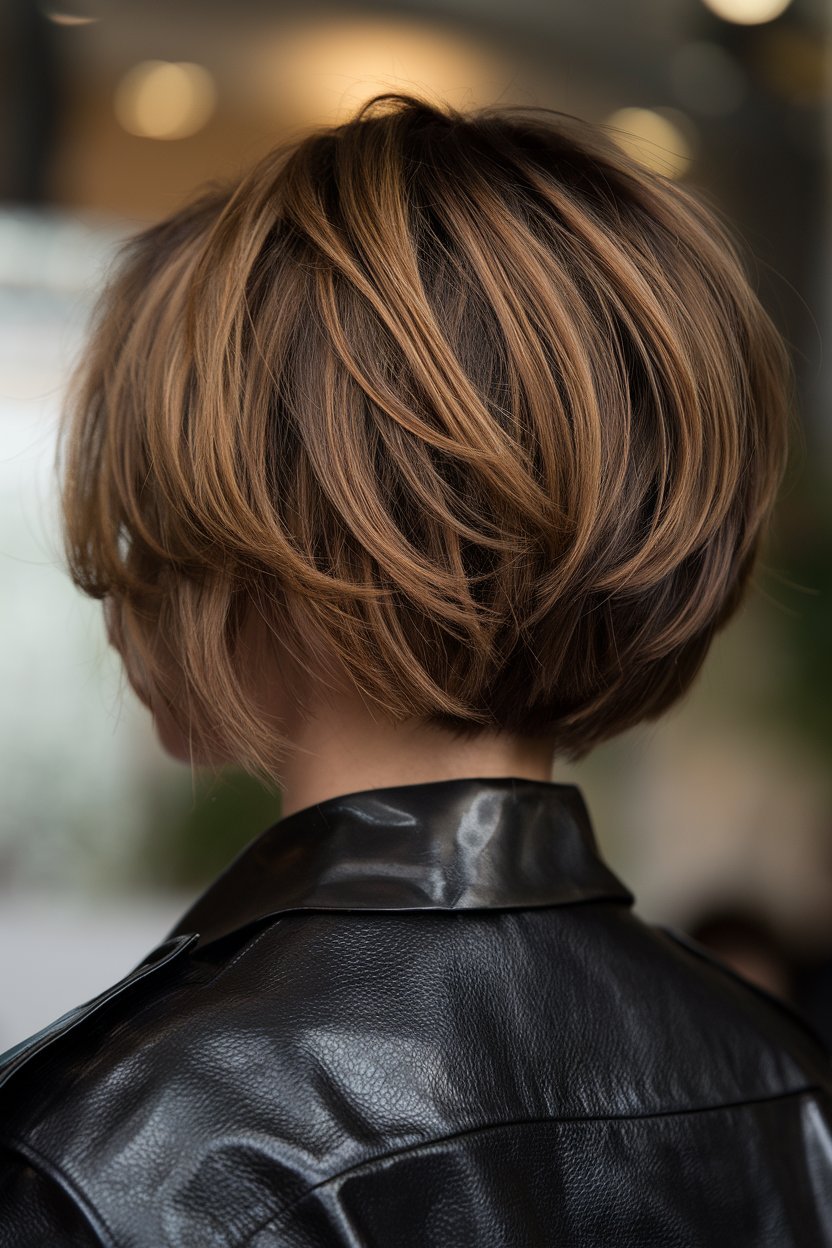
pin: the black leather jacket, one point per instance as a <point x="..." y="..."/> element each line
<point x="418" y="1016"/>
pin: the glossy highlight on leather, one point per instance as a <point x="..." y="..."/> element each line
<point x="427" y="1015"/>
<point x="504" y="843"/>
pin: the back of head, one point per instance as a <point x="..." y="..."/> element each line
<point x="470" y="406"/>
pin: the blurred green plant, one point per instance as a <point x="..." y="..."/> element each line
<point x="197" y="829"/>
<point x="799" y="594"/>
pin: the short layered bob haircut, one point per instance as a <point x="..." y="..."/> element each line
<point x="472" y="407"/>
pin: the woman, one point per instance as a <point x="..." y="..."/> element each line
<point x="437" y="447"/>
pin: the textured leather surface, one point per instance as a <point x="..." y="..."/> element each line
<point x="419" y="1016"/>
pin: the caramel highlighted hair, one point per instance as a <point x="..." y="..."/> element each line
<point x="471" y="406"/>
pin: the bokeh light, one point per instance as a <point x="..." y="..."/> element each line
<point x="660" y="139"/>
<point x="165" y="99"/>
<point x="747" y="12"/>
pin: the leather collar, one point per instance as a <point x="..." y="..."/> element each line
<point x="464" y="844"/>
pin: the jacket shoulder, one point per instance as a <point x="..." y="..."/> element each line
<point x="138" y="1110"/>
<point x="783" y="1018"/>
<point x="21" y="1055"/>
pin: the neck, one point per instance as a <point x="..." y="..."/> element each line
<point x="343" y="748"/>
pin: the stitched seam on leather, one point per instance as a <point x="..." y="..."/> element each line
<point x="395" y="1153"/>
<point x="69" y="1188"/>
<point x="242" y="953"/>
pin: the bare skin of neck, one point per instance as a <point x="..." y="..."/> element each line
<point x="344" y="750"/>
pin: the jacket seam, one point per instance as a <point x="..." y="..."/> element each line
<point x="68" y="1186"/>
<point x="396" y="1153"/>
<point x="241" y="953"/>
<point x="273" y="917"/>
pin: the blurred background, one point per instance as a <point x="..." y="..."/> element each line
<point x="111" y="113"/>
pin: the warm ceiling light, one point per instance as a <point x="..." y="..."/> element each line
<point x="165" y="99"/>
<point x="747" y="12"/>
<point x="70" y="13"/>
<point x="319" y="72"/>
<point x="68" y="19"/>
<point x="653" y="138"/>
